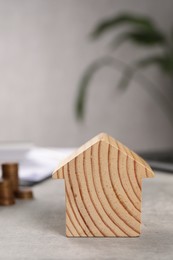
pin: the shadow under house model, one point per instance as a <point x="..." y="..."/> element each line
<point x="103" y="181"/>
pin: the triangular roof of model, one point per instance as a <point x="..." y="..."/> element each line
<point x="114" y="143"/>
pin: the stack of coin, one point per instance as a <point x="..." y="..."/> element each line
<point x="6" y="193"/>
<point x="25" y="194"/>
<point x="10" y="172"/>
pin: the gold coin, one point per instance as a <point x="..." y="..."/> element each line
<point x="24" y="193"/>
<point x="6" y="202"/>
<point x="10" y="172"/>
<point x="6" y="193"/>
<point x="10" y="167"/>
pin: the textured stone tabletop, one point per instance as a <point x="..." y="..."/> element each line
<point x="36" y="229"/>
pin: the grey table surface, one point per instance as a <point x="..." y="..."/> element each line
<point x="36" y="229"/>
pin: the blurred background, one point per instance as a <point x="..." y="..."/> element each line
<point x="45" y="48"/>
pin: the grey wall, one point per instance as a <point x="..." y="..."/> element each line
<point x="44" y="49"/>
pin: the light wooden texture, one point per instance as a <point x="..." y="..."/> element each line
<point x="103" y="182"/>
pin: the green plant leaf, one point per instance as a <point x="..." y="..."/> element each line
<point x="141" y="37"/>
<point x="126" y="77"/>
<point x="86" y="78"/>
<point x="83" y="84"/>
<point x="123" y="19"/>
<point x="164" y="62"/>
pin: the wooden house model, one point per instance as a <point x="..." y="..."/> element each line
<point x="103" y="182"/>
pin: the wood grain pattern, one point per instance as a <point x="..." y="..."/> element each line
<point x="103" y="182"/>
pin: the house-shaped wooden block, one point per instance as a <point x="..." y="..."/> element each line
<point x="103" y="182"/>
